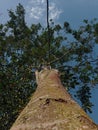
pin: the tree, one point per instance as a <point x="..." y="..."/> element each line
<point x="24" y="49"/>
<point x="51" y="107"/>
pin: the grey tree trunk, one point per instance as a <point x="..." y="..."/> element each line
<point x="52" y="108"/>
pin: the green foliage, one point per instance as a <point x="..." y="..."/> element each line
<point x="23" y="49"/>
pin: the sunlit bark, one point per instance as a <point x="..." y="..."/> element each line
<point x="52" y="108"/>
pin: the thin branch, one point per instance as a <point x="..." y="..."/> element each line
<point x="57" y="59"/>
<point x="80" y="64"/>
<point x="48" y="27"/>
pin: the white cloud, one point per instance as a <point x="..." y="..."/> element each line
<point x="36" y="12"/>
<point x="37" y="1"/>
<point x="54" y="11"/>
<point x="36" y="9"/>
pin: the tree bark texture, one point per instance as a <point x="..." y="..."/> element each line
<point x="52" y="108"/>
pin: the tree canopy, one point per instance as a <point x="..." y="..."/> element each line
<point x="24" y="49"/>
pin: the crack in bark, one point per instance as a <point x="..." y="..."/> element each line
<point x="47" y="100"/>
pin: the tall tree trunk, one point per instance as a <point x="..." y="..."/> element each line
<point x="52" y="108"/>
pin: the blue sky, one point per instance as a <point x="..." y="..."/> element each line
<point x="73" y="11"/>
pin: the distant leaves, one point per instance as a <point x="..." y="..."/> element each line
<point x="67" y="27"/>
<point x="84" y="95"/>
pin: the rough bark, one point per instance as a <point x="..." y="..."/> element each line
<point x="52" y="108"/>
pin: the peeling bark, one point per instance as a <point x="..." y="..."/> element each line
<point x="52" y="108"/>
